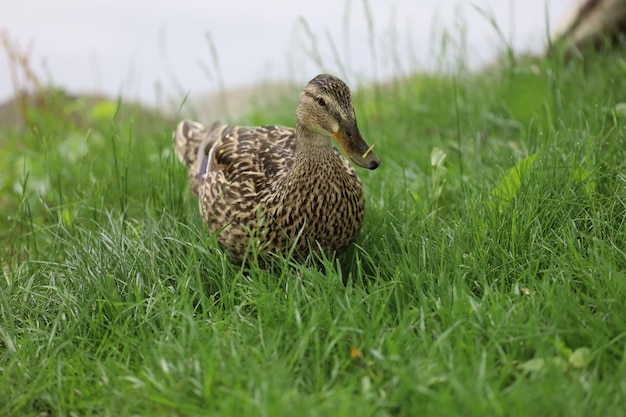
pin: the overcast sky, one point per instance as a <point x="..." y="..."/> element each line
<point x="130" y="47"/>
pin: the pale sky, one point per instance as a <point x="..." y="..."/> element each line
<point x="130" y="47"/>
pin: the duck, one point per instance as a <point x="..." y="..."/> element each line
<point x="278" y="189"/>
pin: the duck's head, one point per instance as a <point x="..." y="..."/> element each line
<point x="325" y="108"/>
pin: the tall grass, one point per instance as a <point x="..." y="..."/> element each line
<point x="488" y="279"/>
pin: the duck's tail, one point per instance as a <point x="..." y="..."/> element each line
<point x="192" y="141"/>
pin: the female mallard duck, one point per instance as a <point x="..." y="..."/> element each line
<point x="280" y="187"/>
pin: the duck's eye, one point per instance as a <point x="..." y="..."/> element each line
<point x="321" y="101"/>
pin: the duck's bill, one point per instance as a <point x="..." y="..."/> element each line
<point x="355" y="147"/>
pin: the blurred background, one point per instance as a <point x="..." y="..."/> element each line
<point x="157" y="53"/>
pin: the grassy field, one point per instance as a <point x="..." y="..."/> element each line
<point x="489" y="277"/>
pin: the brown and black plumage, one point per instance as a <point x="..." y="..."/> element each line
<point x="280" y="187"/>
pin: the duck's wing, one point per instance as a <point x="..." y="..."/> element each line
<point x="239" y="172"/>
<point x="192" y="141"/>
<point x="265" y="151"/>
<point x="236" y="153"/>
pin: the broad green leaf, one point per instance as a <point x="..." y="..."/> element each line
<point x="541" y="364"/>
<point x="580" y="357"/>
<point x="510" y="184"/>
<point x="533" y="365"/>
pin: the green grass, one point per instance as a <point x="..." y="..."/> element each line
<point x="489" y="278"/>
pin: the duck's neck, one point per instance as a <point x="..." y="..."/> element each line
<point x="312" y="146"/>
<point x="314" y="159"/>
